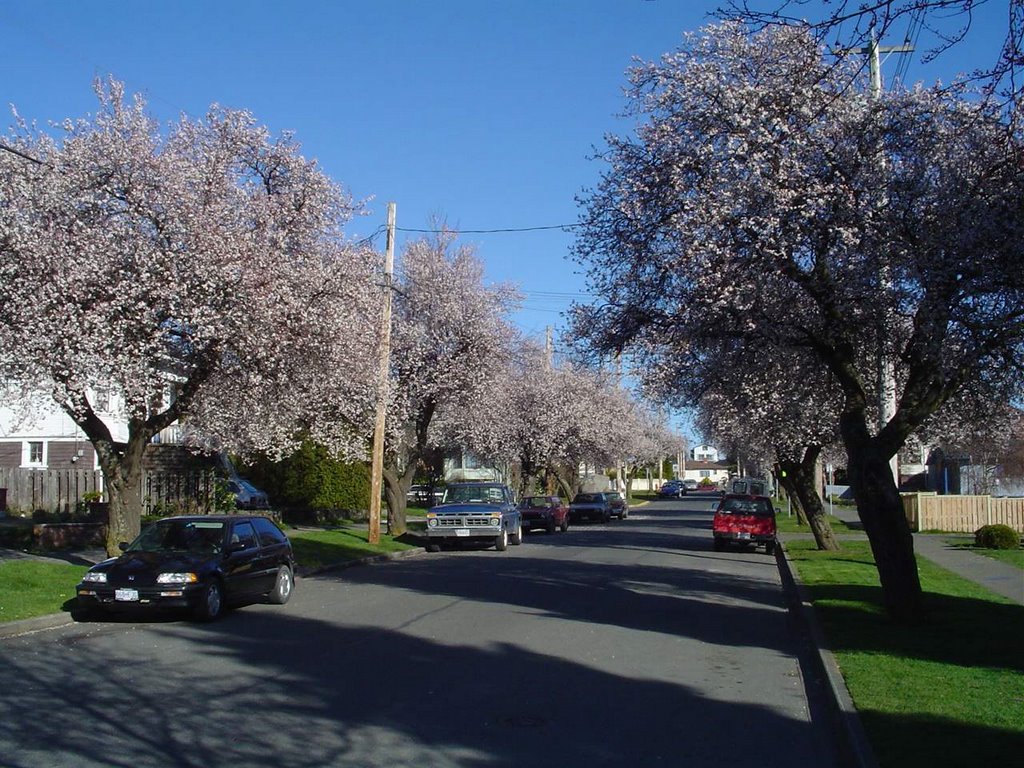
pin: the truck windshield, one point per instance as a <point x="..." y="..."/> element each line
<point x="474" y="494"/>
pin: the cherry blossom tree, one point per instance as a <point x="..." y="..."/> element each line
<point x="846" y="24"/>
<point x="766" y="200"/>
<point x="547" y="421"/>
<point x="199" y="270"/>
<point x="450" y="338"/>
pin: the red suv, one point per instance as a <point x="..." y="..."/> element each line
<point x="742" y="519"/>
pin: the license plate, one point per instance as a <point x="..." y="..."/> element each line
<point x="462" y="531"/>
<point x="126" y="594"/>
<point x="743" y="535"/>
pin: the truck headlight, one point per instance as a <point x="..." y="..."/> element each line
<point x="96" y="577"/>
<point x="432" y="522"/>
<point x="495" y="521"/>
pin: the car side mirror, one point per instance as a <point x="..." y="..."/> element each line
<point x="235" y="546"/>
<point x="123" y="546"/>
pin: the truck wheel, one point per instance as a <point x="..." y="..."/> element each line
<point x="551" y="527"/>
<point x="565" y="524"/>
<point x="769" y="547"/>
<point x="719" y="545"/>
<point x="501" y="541"/>
<point x="433" y="547"/>
<point x="517" y="537"/>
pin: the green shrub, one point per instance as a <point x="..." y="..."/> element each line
<point x="312" y="486"/>
<point x="996" y="537"/>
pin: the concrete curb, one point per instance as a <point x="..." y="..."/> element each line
<point x="845" y="720"/>
<point x="55" y="620"/>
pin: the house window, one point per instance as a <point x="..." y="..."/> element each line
<point x="103" y="400"/>
<point x="34" y="453"/>
<point x="705" y="473"/>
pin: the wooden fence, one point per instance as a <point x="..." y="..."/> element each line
<point x="962" y="514"/>
<point x="61" y="490"/>
<point x="52" y="490"/>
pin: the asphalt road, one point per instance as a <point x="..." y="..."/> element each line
<point x="626" y="644"/>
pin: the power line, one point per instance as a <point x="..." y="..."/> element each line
<point x="486" y="231"/>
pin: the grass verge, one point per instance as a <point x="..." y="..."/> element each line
<point x="30" y="588"/>
<point x="322" y="547"/>
<point x="946" y="691"/>
<point x="788" y="524"/>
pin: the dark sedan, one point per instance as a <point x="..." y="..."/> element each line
<point x="620" y="507"/>
<point x="199" y="563"/>
<point x="590" y="506"/>
<point x="547" y="513"/>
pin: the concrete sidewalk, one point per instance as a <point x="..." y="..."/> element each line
<point x="1001" y="578"/>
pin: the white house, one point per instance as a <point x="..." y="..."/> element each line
<point x="704" y="453"/>
<point x="36" y="434"/>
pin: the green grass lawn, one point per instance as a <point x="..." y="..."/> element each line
<point x="788" y="524"/>
<point x="30" y="588"/>
<point x="319" y="548"/>
<point x="946" y="691"/>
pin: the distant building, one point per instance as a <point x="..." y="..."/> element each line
<point x="704" y="453"/>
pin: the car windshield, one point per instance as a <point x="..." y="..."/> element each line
<point x="535" y="502"/>
<point x="615" y="496"/>
<point x="587" y="498"/>
<point x="760" y="507"/>
<point x="195" y="536"/>
<point x="474" y="494"/>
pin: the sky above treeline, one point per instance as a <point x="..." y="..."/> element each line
<point x="482" y="114"/>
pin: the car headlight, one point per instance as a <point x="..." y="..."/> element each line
<point x="96" y="577"/>
<point x="176" y="578"/>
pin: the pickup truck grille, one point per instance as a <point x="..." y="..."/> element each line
<point x="463" y="522"/>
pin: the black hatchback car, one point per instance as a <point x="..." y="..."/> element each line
<point x="200" y="563"/>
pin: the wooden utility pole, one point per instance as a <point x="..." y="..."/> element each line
<point x="384" y="363"/>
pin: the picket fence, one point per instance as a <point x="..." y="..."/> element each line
<point x="61" y="490"/>
<point x="962" y="514"/>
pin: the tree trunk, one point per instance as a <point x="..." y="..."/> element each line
<point x="396" y="487"/>
<point x="881" y="510"/>
<point x="786" y="481"/>
<point x="802" y="478"/>
<point x="122" y="475"/>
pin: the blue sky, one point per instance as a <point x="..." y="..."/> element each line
<point x="479" y="112"/>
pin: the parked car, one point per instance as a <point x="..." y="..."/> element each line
<point x="549" y="513"/>
<point x="671" y="489"/>
<point x="744" y="519"/>
<point x="690" y="484"/>
<point x="247" y="495"/>
<point x="198" y="562"/>
<point x="590" y="506"/>
<point x="475" y="512"/>
<point x="620" y="507"/>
